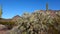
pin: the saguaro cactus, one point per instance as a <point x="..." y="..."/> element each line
<point x="46" y="6"/>
<point x="0" y="11"/>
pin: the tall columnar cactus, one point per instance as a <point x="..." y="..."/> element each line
<point x="0" y="11"/>
<point x="46" y="6"/>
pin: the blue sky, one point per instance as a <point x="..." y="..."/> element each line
<point x="18" y="7"/>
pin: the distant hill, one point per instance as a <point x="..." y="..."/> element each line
<point x="15" y="18"/>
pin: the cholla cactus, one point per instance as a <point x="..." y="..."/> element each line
<point x="38" y="23"/>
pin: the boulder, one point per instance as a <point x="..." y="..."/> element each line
<point x="3" y="27"/>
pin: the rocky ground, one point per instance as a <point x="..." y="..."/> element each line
<point x="3" y="29"/>
<point x="2" y="32"/>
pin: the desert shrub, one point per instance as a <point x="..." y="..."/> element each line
<point x="8" y="24"/>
